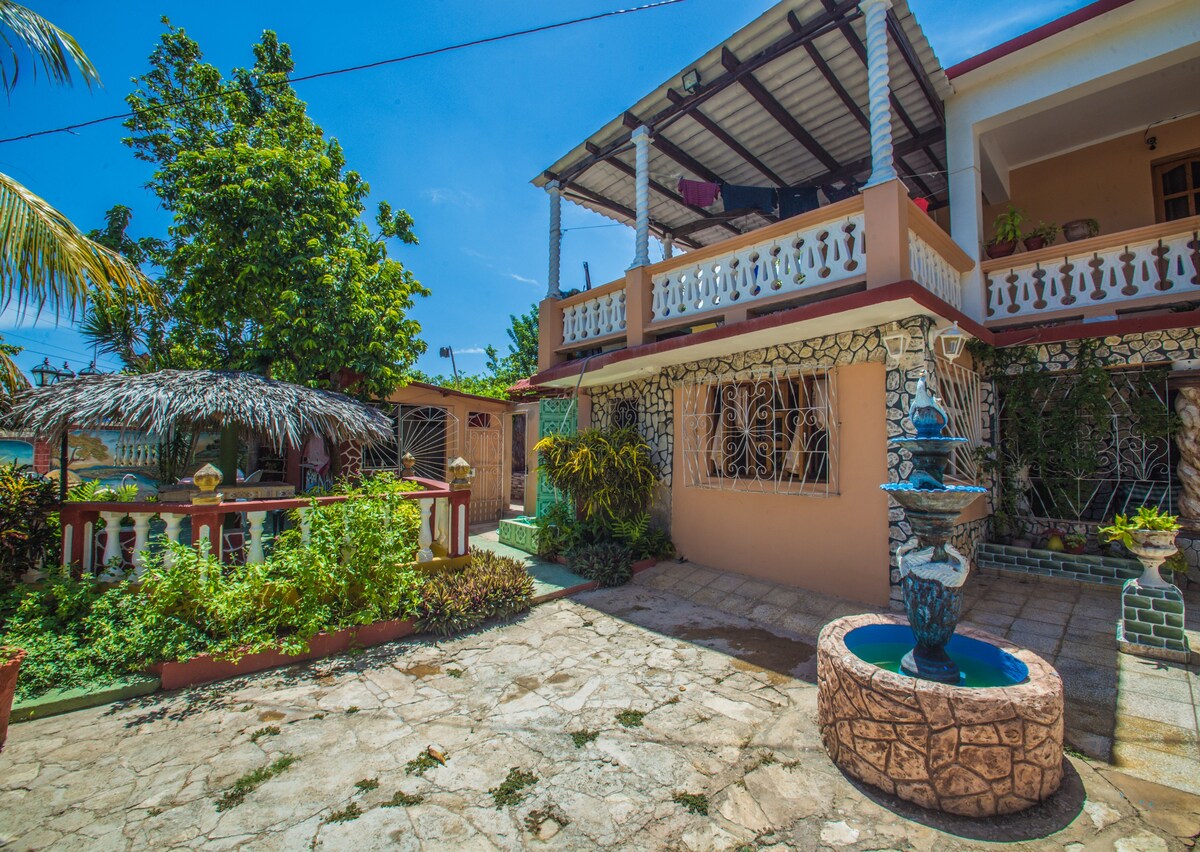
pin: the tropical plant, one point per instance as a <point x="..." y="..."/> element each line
<point x="1146" y="519"/>
<point x="269" y="266"/>
<point x="608" y="563"/>
<point x="46" y="263"/>
<point x="491" y="586"/>
<point x="643" y="539"/>
<point x="1007" y="226"/>
<point x="95" y="491"/>
<point x="502" y="371"/>
<point x="607" y="472"/>
<point x="1046" y="231"/>
<point x="27" y="530"/>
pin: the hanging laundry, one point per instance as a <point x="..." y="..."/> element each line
<point x="794" y="200"/>
<point x="698" y="193"/>
<point x="922" y="203"/>
<point x="848" y="189"/>
<point x="748" y="198"/>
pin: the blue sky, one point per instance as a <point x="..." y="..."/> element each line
<point x="454" y="139"/>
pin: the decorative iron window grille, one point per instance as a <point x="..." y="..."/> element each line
<point x="624" y="414"/>
<point x="426" y="431"/>
<point x="1131" y="468"/>
<point x="772" y="432"/>
<point x="958" y="388"/>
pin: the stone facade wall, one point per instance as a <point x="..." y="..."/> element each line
<point x="653" y="399"/>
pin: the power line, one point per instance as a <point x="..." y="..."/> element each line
<point x="70" y="128"/>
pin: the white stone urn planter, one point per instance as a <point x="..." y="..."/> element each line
<point x="1153" y="548"/>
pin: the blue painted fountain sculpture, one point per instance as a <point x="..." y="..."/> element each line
<point x="932" y="572"/>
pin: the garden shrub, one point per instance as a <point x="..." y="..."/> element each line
<point x="492" y="586"/>
<point x="645" y="541"/>
<point x="607" y="472"/>
<point x="78" y="632"/>
<point x="608" y="563"/>
<point x="29" y="531"/>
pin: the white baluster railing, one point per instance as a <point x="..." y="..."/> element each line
<point x="823" y="253"/>
<point x="599" y="316"/>
<point x="141" y="540"/>
<point x="1163" y="260"/>
<point x="933" y="271"/>
<point x="254" y="550"/>
<point x="424" y="535"/>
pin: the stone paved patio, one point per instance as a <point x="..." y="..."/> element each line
<point x="730" y="715"/>
<point x="1141" y="715"/>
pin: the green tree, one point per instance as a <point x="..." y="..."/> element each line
<point x="268" y="266"/>
<point x="521" y="360"/>
<point x="46" y="263"/>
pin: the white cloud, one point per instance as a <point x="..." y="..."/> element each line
<point x="515" y="277"/>
<point x="455" y="197"/>
<point x="474" y="350"/>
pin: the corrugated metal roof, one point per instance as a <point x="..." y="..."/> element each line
<point x="774" y="44"/>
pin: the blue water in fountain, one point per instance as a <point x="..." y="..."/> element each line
<point x="979" y="664"/>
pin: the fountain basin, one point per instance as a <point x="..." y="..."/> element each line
<point x="951" y="499"/>
<point x="974" y="751"/>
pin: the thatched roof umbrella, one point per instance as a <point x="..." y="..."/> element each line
<point x="218" y="399"/>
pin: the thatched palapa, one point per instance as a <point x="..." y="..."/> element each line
<point x="158" y="402"/>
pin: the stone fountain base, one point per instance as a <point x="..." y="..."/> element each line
<point x="974" y="752"/>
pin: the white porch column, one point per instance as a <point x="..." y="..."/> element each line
<point x="641" y="143"/>
<point x="555" y="238"/>
<point x="883" y="167"/>
<point x="668" y="246"/>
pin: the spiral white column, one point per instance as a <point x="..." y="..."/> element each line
<point x="883" y="167"/>
<point x="555" y="191"/>
<point x="641" y="144"/>
<point x="668" y="246"/>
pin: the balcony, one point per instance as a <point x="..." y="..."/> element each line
<point x="1148" y="267"/>
<point x="818" y="255"/>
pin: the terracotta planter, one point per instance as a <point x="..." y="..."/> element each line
<point x="1034" y="243"/>
<point x="1076" y="549"/>
<point x="8" y="686"/>
<point x="1004" y="249"/>
<point x="1076" y="229"/>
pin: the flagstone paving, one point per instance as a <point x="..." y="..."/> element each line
<point x="729" y="725"/>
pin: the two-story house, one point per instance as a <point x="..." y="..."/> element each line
<point x="821" y="192"/>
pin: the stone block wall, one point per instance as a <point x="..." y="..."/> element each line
<point x="1087" y="568"/>
<point x="1152" y="617"/>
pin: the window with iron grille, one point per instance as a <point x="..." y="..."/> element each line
<point x="771" y="432"/>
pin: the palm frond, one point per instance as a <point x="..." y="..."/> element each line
<point x="24" y="30"/>
<point x="46" y="263"/>
<point x="12" y="379"/>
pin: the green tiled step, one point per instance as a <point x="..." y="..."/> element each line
<point x="65" y="700"/>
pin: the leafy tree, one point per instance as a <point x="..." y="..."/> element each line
<point x="45" y="261"/>
<point x="268" y="266"/>
<point x="521" y="360"/>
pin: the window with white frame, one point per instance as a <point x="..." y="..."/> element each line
<point x="774" y="431"/>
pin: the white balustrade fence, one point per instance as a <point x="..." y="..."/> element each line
<point x="934" y="272"/>
<point x="1157" y="266"/>
<point x="597" y="317"/>
<point x="822" y="254"/>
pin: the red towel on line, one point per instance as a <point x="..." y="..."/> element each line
<point x="698" y="193"/>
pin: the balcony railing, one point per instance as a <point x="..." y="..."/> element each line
<point x="804" y="257"/>
<point x="1145" y="266"/>
<point x="594" y="314"/>
<point x="118" y="550"/>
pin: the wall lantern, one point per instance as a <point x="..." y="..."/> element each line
<point x="952" y="341"/>
<point x="691" y="81"/>
<point x="896" y="344"/>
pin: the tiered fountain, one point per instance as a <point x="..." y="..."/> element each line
<point x="961" y="722"/>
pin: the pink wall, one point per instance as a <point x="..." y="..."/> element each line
<point x="836" y="545"/>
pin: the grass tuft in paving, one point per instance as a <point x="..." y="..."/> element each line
<point x="511" y="790"/>
<point x="697" y="803"/>
<point x="420" y="763"/>
<point x="347" y="814"/>
<point x="367" y="784"/>
<point x="269" y="731"/>
<point x="631" y="718"/>
<point x="400" y="799"/>
<point x="251" y="781"/>
<point x="583" y="736"/>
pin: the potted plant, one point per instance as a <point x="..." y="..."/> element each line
<point x="1080" y="229"/>
<point x="1150" y="536"/>
<point x="1006" y="232"/>
<point x="1074" y="543"/>
<point x="1054" y="540"/>
<point x="10" y="664"/>
<point x="1043" y="235"/>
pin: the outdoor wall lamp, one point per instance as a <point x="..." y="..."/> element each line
<point x="691" y="81"/>
<point x="896" y="344"/>
<point x="952" y="341"/>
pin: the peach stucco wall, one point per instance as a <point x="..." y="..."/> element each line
<point x="837" y="545"/>
<point x="1109" y="182"/>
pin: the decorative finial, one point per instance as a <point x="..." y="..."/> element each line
<point x="460" y="474"/>
<point x="409" y="464"/>
<point x="207" y="479"/>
